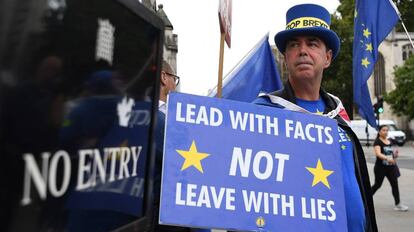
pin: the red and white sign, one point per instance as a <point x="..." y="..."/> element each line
<point x="225" y="19"/>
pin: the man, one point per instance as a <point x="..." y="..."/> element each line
<point x="309" y="47"/>
<point x="168" y="82"/>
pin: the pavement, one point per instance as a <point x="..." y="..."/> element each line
<point x="389" y="220"/>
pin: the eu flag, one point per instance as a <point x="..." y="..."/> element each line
<point x="374" y="19"/>
<point x="255" y="73"/>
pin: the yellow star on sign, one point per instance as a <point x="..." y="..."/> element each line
<point x="319" y="112"/>
<point x="192" y="157"/>
<point x="320" y="174"/>
<point x="343" y="147"/>
<point x="367" y="33"/>
<point x="365" y="62"/>
<point x="369" y="47"/>
<point x="260" y="222"/>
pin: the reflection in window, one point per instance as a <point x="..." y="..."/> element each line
<point x="379" y="76"/>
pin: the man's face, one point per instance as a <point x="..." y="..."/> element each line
<point x="169" y="81"/>
<point x="307" y="57"/>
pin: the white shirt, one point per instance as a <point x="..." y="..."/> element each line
<point x="162" y="106"/>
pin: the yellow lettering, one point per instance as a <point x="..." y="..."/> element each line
<point x="306" y="22"/>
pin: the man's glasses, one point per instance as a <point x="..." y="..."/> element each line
<point x="176" y="78"/>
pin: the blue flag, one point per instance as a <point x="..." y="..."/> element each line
<point x="255" y="73"/>
<point x="374" y="19"/>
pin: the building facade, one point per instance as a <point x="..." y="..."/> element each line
<point x="170" y="39"/>
<point x="280" y="63"/>
<point x="393" y="51"/>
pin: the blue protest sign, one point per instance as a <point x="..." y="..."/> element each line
<point x="240" y="166"/>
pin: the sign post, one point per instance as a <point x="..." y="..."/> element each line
<point x="225" y="29"/>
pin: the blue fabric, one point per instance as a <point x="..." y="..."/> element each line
<point x="256" y="73"/>
<point x="353" y="201"/>
<point x="265" y="101"/>
<point x="308" y="10"/>
<point x="375" y="19"/>
<point x="312" y="106"/>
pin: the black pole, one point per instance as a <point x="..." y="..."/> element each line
<point x="367" y="132"/>
<point x="378" y="112"/>
<point x="378" y="120"/>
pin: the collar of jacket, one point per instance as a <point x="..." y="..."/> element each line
<point x="287" y="94"/>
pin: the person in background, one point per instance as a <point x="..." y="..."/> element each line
<point x="168" y="82"/>
<point x="309" y="47"/>
<point x="386" y="166"/>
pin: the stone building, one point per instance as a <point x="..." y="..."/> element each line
<point x="393" y="51"/>
<point x="280" y="63"/>
<point x="171" y="39"/>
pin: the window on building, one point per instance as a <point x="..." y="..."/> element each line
<point x="407" y="51"/>
<point x="379" y="76"/>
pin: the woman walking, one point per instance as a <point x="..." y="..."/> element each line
<point x="385" y="166"/>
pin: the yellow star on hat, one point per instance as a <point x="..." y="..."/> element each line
<point x="192" y="157"/>
<point x="320" y="174"/>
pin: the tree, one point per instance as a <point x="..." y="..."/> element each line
<point x="407" y="14"/>
<point x="338" y="77"/>
<point x="401" y="98"/>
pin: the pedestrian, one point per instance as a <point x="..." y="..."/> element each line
<point x="309" y="46"/>
<point x="386" y="166"/>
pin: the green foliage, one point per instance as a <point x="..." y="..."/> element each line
<point x="338" y="77"/>
<point x="407" y="14"/>
<point x="401" y="98"/>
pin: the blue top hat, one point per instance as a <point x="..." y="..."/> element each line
<point x="308" y="19"/>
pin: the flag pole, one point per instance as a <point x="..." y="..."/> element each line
<point x="402" y="22"/>
<point x="220" y="70"/>
<point x="406" y="32"/>
<point x="224" y="14"/>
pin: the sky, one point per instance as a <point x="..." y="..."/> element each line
<point x="197" y="25"/>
